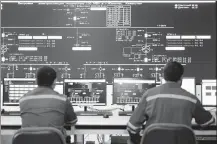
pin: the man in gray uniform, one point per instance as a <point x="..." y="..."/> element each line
<point x="168" y="103"/>
<point x="44" y="107"/>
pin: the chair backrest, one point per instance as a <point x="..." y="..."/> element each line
<point x="38" y="135"/>
<point x="168" y="134"/>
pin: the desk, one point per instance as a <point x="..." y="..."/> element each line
<point x="88" y="125"/>
<point x="95" y="125"/>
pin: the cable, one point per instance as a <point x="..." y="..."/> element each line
<point x="98" y="138"/>
<point x="105" y="110"/>
<point x="93" y="109"/>
<point x="123" y="108"/>
<point x="212" y="109"/>
<point x="86" y="137"/>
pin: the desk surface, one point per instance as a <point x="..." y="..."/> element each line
<point x="114" y="120"/>
<point x="104" y="125"/>
<point x="82" y="120"/>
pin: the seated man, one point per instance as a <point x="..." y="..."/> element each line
<point x="168" y="103"/>
<point x="43" y="107"/>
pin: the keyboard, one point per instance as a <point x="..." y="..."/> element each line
<point x="92" y="113"/>
<point x="125" y="113"/>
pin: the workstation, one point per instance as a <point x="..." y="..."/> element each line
<point x="106" y="55"/>
<point x="104" y="120"/>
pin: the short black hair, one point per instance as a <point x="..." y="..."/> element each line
<point x="46" y="76"/>
<point x="173" y="71"/>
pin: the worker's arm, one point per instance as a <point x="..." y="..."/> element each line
<point x="137" y="120"/>
<point x="70" y="116"/>
<point x="202" y="117"/>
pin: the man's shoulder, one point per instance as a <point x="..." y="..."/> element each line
<point x="188" y="94"/>
<point x="29" y="93"/>
<point x="58" y="95"/>
<point x="61" y="95"/>
<point x="152" y="91"/>
<point x="44" y="94"/>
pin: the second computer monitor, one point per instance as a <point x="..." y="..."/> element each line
<point x="188" y="84"/>
<point x="130" y="91"/>
<point x="14" y="88"/>
<point x="86" y="91"/>
<point x="209" y="92"/>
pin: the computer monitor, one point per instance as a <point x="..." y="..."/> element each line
<point x="188" y="83"/>
<point x="15" y="88"/>
<point x="129" y="91"/>
<point x="209" y="93"/>
<point x="86" y="91"/>
<point x="59" y="87"/>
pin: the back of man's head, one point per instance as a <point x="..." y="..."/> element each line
<point x="173" y="71"/>
<point x="46" y="76"/>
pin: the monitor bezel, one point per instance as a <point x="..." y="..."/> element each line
<point x="206" y="80"/>
<point x="194" y="83"/>
<point x="139" y="79"/>
<point x="162" y="79"/>
<point x="17" y="107"/>
<point x="89" y="80"/>
<point x="11" y="108"/>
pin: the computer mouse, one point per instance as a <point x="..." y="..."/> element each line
<point x="105" y="116"/>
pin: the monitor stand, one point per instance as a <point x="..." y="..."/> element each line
<point x="2" y="111"/>
<point x="85" y="108"/>
<point x="133" y="107"/>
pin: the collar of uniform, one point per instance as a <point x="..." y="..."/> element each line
<point x="172" y="84"/>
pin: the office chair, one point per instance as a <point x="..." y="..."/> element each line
<point x="168" y="134"/>
<point x="38" y="135"/>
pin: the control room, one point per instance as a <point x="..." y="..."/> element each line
<point x="108" y="72"/>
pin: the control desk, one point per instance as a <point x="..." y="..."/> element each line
<point x="100" y="125"/>
<point x="91" y="122"/>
